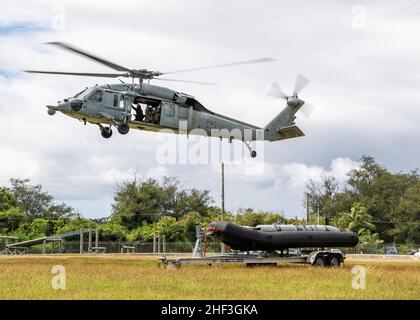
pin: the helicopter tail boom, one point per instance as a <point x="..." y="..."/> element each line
<point x="283" y="125"/>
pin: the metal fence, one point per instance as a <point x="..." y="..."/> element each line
<point x="117" y="247"/>
<point x="188" y="247"/>
<point x="381" y="248"/>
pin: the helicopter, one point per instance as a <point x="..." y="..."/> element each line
<point x="150" y="107"/>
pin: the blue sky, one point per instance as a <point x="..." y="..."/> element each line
<point x="16" y="29"/>
<point x="20" y="27"/>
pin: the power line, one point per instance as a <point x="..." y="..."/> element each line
<point x="397" y="222"/>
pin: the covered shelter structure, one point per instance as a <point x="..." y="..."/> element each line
<point x="56" y="242"/>
<point x="22" y="246"/>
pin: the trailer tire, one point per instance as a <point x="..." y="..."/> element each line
<point x="319" y="262"/>
<point x="334" y="261"/>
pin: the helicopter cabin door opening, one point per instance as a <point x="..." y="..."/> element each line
<point x="146" y="110"/>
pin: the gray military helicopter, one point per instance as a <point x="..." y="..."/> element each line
<point x="149" y="107"/>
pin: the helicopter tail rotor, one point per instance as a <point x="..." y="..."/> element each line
<point x="301" y="82"/>
<point x="276" y="92"/>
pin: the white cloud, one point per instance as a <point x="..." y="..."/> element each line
<point x="17" y="163"/>
<point x="363" y="84"/>
<point x="299" y="174"/>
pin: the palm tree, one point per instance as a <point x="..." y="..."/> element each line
<point x="356" y="219"/>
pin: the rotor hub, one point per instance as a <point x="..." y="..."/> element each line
<point x="294" y="101"/>
<point x="145" y="74"/>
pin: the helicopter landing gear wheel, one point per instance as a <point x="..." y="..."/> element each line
<point x="253" y="154"/>
<point x="123" y="128"/>
<point x="106" y="132"/>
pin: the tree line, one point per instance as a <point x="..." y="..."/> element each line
<point x="378" y="204"/>
<point x="141" y="208"/>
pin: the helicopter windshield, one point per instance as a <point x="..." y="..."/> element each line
<point x="96" y="96"/>
<point x="81" y="93"/>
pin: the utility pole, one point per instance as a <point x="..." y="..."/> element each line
<point x="81" y="241"/>
<point x="223" y="190"/>
<point x="223" y="200"/>
<point x="307" y="208"/>
<point x="319" y="220"/>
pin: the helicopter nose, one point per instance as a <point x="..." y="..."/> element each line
<point x="70" y="105"/>
<point x="63" y="105"/>
<point x="76" y="105"/>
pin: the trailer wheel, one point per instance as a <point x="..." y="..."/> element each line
<point x="319" y="262"/>
<point x="334" y="262"/>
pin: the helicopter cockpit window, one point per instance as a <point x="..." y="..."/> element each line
<point x="96" y="96"/>
<point x="80" y="93"/>
<point x="122" y="104"/>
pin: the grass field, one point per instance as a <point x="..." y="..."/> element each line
<point x="135" y="277"/>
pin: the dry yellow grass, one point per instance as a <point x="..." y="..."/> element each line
<point x="136" y="277"/>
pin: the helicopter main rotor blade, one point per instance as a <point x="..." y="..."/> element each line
<point x="301" y="82"/>
<point x="186" y="81"/>
<point x="261" y="60"/>
<point x="86" y="74"/>
<point x="90" y="56"/>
